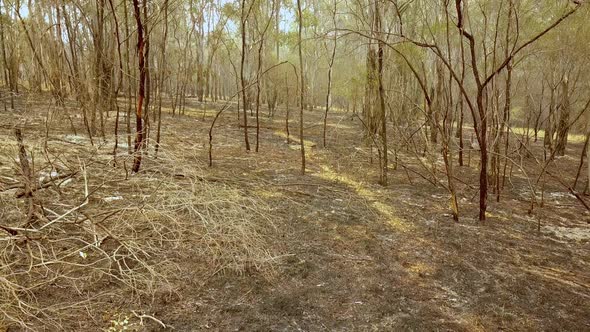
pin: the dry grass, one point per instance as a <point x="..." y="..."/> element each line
<point x="230" y="226"/>
<point x="573" y="138"/>
<point x="102" y="234"/>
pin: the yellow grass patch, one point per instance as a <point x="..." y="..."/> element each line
<point x="385" y="210"/>
<point x="294" y="139"/>
<point x="574" y="138"/>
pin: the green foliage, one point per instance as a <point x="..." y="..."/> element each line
<point x="230" y="10"/>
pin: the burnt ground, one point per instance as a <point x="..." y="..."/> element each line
<point x="352" y="255"/>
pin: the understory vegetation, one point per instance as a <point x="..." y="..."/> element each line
<point x="310" y="165"/>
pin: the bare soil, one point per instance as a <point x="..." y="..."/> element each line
<point x="351" y="255"/>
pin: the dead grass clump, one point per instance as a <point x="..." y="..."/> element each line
<point x="103" y="238"/>
<point x="222" y="223"/>
<point x="67" y="258"/>
<point x="224" y="226"/>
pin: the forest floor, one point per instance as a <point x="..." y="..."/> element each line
<point x="347" y="254"/>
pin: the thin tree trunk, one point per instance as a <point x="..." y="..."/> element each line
<point x="564" y="118"/>
<point x="148" y="82"/>
<point x="330" y="67"/>
<point x="582" y="157"/>
<point x="258" y="79"/>
<point x="7" y="72"/>
<point x="129" y="85"/>
<point x="120" y="82"/>
<point x="141" y="94"/>
<point x="287" y="110"/>
<point x="243" y="20"/>
<point x="162" y="78"/>
<point x="302" y="85"/>
<point x="383" y="117"/>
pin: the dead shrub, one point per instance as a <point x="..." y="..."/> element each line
<point x="103" y="237"/>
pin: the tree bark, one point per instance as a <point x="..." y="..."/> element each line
<point x="243" y="21"/>
<point x="139" y="133"/>
<point x="330" y="67"/>
<point x="162" y="76"/>
<point x="382" y="115"/>
<point x="302" y="85"/>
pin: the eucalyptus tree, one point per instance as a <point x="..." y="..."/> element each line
<point x="301" y="83"/>
<point x="263" y="19"/>
<point x="330" y="70"/>
<point x="484" y="66"/>
<point x="8" y="63"/>
<point x="245" y="10"/>
<point x="141" y="51"/>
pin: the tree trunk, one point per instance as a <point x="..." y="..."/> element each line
<point x="330" y="66"/>
<point x="564" y="119"/>
<point x="302" y="85"/>
<point x="243" y="20"/>
<point x="162" y="75"/>
<point x="382" y="115"/>
<point x="139" y="134"/>
<point x="7" y="72"/>
<point x="120" y="82"/>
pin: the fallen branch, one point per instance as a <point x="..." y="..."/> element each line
<point x="142" y="316"/>
<point x="43" y="185"/>
<point x="70" y="211"/>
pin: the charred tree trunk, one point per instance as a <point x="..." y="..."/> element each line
<point x="243" y="20"/>
<point x="139" y="134"/>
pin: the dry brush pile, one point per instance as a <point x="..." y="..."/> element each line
<point x="78" y="231"/>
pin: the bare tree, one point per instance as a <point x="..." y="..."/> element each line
<point x="330" y="68"/>
<point x="301" y="84"/>
<point x="245" y="13"/>
<point x="140" y="130"/>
